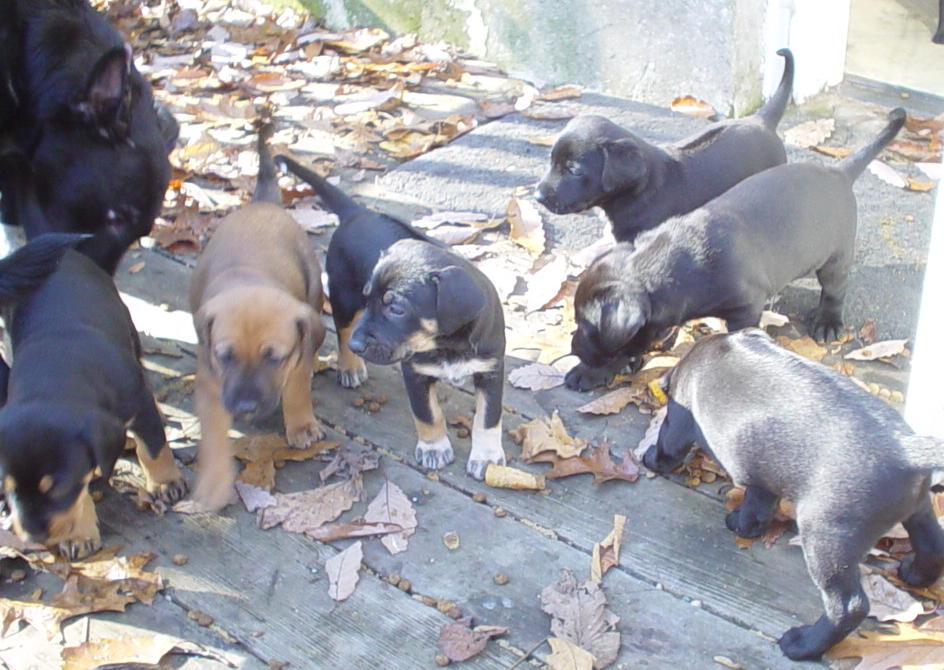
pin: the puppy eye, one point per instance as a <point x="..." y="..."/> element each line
<point x="387" y="297"/>
<point x="395" y="310"/>
<point x="271" y="356"/>
<point x="225" y="355"/>
<point x="573" y="168"/>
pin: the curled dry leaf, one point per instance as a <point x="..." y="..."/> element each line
<point x="565" y="655"/>
<point x="459" y="642"/>
<point x="254" y="497"/>
<point x="809" y="133"/>
<point x="343" y="570"/>
<point x="887" y="602"/>
<point x="138" y="649"/>
<point x="545" y="284"/>
<point x="652" y="433"/>
<point x="449" y="234"/>
<point x="606" y="553"/>
<point x="579" y="614"/>
<point x="527" y="227"/>
<point x="391" y="506"/>
<point x="597" y="462"/>
<point x="547" y="434"/>
<point x="536" y="377"/>
<point x="502" y="476"/>
<point x="306" y="510"/>
<point x="887" y="174"/>
<point x="876" y="350"/>
<point x="691" y="106"/>
<point x="565" y="92"/>
<point x="342" y="531"/>
<point x="612" y="402"/>
<point x="769" y="318"/>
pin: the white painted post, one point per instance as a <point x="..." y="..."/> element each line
<point x="924" y="407"/>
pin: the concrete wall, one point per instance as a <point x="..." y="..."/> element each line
<point x="721" y="51"/>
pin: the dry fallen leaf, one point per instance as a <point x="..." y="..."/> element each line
<point x="502" y="476"/>
<point x="561" y="93"/>
<point x="805" y="346"/>
<point x="527" y="227"/>
<point x="547" y="434"/>
<point x="809" y="133"/>
<point x="876" y="350"/>
<point x="545" y="284"/>
<point x="909" y="648"/>
<point x="769" y="318"/>
<point x="459" y="642"/>
<point x="536" y="377"/>
<point x="254" y="497"/>
<point x="306" y="510"/>
<point x="343" y="571"/>
<point x="919" y="185"/>
<point x="612" y="402"/>
<point x="565" y="655"/>
<point x="452" y="235"/>
<point x="579" y="614"/>
<point x="887" y="602"/>
<point x="887" y="174"/>
<point x="782" y="521"/>
<point x="606" y="553"/>
<point x="391" y="506"/>
<point x="597" y="462"/>
<point x="143" y="649"/>
<point x="343" y="531"/>
<point x="262" y="452"/>
<point x="651" y="437"/>
<point x="691" y="106"/>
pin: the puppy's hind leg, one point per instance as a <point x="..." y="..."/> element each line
<point x="676" y="437"/>
<point x="163" y="480"/>
<point x="301" y="426"/>
<point x="433" y="448"/>
<point x="827" y="317"/>
<point x="486" y="426"/>
<point x="754" y="514"/>
<point x="924" y="566"/>
<point x="832" y="558"/>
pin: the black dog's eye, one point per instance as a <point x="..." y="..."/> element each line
<point x="395" y="310"/>
<point x="573" y="168"/>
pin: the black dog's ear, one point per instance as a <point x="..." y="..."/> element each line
<point x="620" y="320"/>
<point x="458" y="299"/>
<point x="104" y="434"/>
<point x="623" y="164"/>
<point x="106" y="88"/>
<point x="167" y="125"/>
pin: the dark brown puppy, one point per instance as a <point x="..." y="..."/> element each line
<point x="439" y="317"/>
<point x="785" y="426"/>
<point x="256" y="299"/>
<point x="595" y="163"/>
<point x="76" y="383"/>
<point x="726" y="259"/>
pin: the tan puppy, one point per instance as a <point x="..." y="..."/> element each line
<point x="256" y="299"/>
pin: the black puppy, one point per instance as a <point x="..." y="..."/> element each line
<point x="784" y="426"/>
<point x="440" y="318"/>
<point x="75" y="105"/>
<point x="361" y="236"/>
<point x="725" y="259"/>
<point x="75" y="385"/>
<point x="595" y="163"/>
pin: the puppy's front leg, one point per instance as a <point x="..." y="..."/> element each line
<point x="486" y="426"/>
<point x="676" y="437"/>
<point x="582" y="377"/>
<point x="217" y="474"/>
<point x="76" y="530"/>
<point x="301" y="426"/>
<point x="352" y="371"/>
<point x="162" y="478"/>
<point x="433" y="448"/>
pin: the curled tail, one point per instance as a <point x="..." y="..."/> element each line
<point x="28" y="266"/>
<point x="924" y="452"/>
<point x="267" y="183"/>
<point x="337" y="200"/>
<point x="772" y="110"/>
<point x="855" y="163"/>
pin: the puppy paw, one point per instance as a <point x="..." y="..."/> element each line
<point x="913" y="574"/>
<point x="803" y="643"/>
<point x="583" y="378"/>
<point x="434" y="455"/>
<point x="76" y="548"/>
<point x="826" y="327"/>
<point x="168" y="492"/>
<point x="354" y="377"/>
<point x="476" y="467"/>
<point x="658" y="461"/>
<point x="301" y="437"/>
<point x="742" y="527"/>
<point x="208" y="496"/>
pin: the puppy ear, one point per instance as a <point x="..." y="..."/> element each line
<point x="458" y="299"/>
<point x="104" y="434"/>
<point x="106" y="87"/>
<point x="311" y="330"/>
<point x="623" y="164"/>
<point x="620" y="320"/>
<point x="167" y="125"/>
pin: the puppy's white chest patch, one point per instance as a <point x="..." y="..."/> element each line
<point x="455" y="371"/>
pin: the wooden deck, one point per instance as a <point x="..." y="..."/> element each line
<point x="684" y="593"/>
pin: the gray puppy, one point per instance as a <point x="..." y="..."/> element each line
<point x="726" y="259"/>
<point x="784" y="426"/>
<point x="595" y="163"/>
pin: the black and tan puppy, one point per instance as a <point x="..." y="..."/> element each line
<point x="361" y="236"/>
<point x="256" y="299"/>
<point x="76" y="384"/>
<point x="439" y="317"/>
<point x="595" y="163"/>
<point x="786" y="427"/>
<point x="75" y="105"/>
<point x="726" y="259"/>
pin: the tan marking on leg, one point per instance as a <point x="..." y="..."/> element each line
<point x="433" y="449"/>
<point x="301" y="426"/>
<point x="486" y="442"/>
<point x="76" y="530"/>
<point x="217" y="473"/>
<point x="435" y="431"/>
<point x="352" y="371"/>
<point x="162" y="478"/>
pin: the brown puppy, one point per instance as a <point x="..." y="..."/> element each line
<point x="256" y="299"/>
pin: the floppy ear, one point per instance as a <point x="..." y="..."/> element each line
<point x="458" y="299"/>
<point x="623" y="164"/>
<point x="105" y="436"/>
<point x="167" y="125"/>
<point x="106" y="87"/>
<point x="311" y="330"/>
<point x="620" y="320"/>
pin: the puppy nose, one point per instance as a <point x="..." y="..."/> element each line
<point x="246" y="406"/>
<point x="357" y="343"/>
<point x="540" y="194"/>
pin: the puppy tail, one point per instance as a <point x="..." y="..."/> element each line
<point x="337" y="200"/>
<point x="28" y="266"/>
<point x="924" y="452"/>
<point x="267" y="183"/>
<point x="854" y="164"/>
<point x="772" y="110"/>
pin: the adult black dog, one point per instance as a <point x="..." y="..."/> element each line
<point x="595" y="163"/>
<point x="440" y="318"/>
<point x="75" y="105"/>
<point x="725" y="259"/>
<point x="787" y="427"/>
<point x="75" y="384"/>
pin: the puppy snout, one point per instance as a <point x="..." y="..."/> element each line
<point x="542" y="193"/>
<point x="358" y="342"/>
<point x="246" y="406"/>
